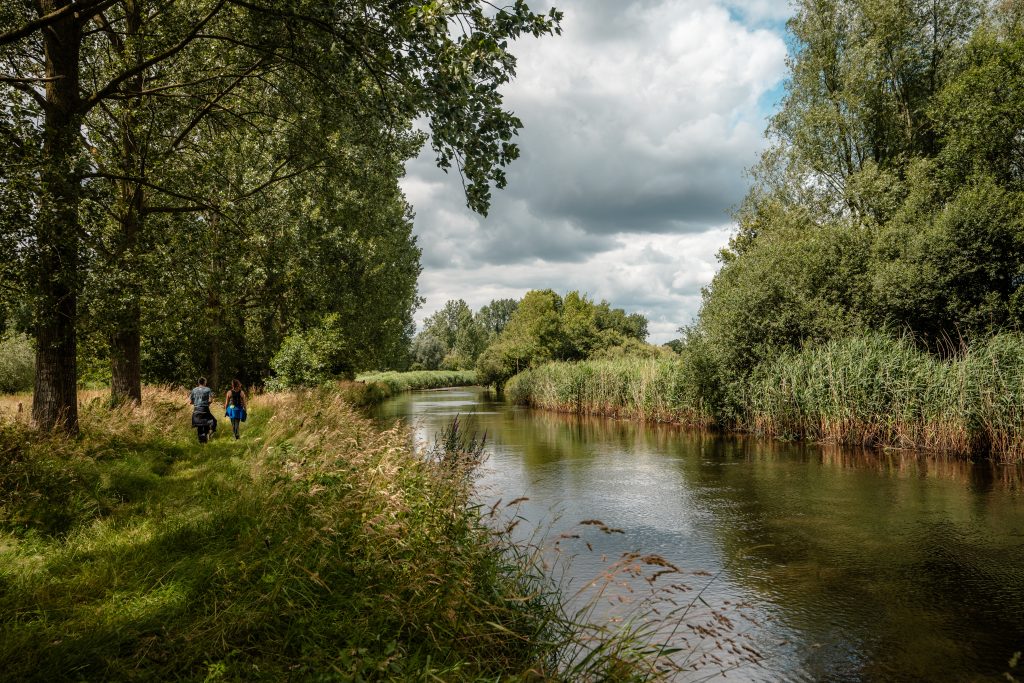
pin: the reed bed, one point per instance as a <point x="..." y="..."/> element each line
<point x="871" y="390"/>
<point x="650" y="389"/>
<point x="874" y="390"/>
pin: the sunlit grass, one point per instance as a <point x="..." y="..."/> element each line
<point x="315" y="546"/>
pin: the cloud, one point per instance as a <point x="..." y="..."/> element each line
<point x="639" y="123"/>
<point x="658" y="275"/>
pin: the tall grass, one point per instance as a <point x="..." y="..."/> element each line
<point x="869" y="390"/>
<point x="874" y="390"/>
<point x="654" y="389"/>
<point x="317" y="546"/>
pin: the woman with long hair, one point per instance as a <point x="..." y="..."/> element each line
<point x="236" y="403"/>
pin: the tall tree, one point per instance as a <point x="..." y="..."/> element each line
<point x="408" y="50"/>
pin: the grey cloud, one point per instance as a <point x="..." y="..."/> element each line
<point x="526" y="241"/>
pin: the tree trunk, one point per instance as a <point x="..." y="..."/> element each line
<point x="55" y="401"/>
<point x="126" y="339"/>
<point x="125" y="364"/>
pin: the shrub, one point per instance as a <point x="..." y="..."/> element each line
<point x="17" y="363"/>
<point x="311" y="358"/>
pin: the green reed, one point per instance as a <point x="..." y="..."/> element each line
<point x="868" y="390"/>
<point x="874" y="390"/>
<point x="654" y="389"/>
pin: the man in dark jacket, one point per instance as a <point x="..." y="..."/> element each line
<point x="202" y="419"/>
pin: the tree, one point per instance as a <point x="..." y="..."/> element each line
<point x="404" y="51"/>
<point x="891" y="197"/>
<point x="494" y="317"/>
<point x="545" y="326"/>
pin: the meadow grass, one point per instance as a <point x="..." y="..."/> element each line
<point x="869" y="390"/>
<point x="317" y="547"/>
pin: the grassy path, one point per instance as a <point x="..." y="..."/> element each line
<point x="315" y="547"/>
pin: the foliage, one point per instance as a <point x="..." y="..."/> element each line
<point x="891" y="196"/>
<point x="547" y="327"/>
<point x="452" y="338"/>
<point x="162" y="164"/>
<point x="17" y="363"/>
<point x="316" y="543"/>
<point x="506" y="335"/>
<point x="397" y="382"/>
<point x="494" y="317"/>
<point x="311" y="358"/>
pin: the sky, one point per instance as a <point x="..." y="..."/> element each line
<point x="639" y="123"/>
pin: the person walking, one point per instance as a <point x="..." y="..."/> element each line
<point x="236" y="404"/>
<point x="202" y="419"/>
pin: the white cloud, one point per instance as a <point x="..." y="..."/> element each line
<point x="639" y="122"/>
<point x="658" y="275"/>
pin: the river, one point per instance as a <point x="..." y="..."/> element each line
<point x="831" y="564"/>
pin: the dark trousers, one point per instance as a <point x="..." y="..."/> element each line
<point x="205" y="423"/>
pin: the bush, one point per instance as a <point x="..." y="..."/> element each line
<point x="311" y="358"/>
<point x="17" y="363"/>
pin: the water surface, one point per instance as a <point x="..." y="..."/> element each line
<point x="853" y="565"/>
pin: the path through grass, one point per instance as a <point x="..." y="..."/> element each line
<point x="315" y="547"/>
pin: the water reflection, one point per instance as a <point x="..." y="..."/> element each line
<point x="862" y="565"/>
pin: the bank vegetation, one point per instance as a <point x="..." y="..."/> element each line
<point x="317" y="546"/>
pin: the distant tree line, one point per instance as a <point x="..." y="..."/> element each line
<point x="507" y="336"/>
<point x="205" y="186"/>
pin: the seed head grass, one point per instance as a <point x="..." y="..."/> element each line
<point x="318" y="546"/>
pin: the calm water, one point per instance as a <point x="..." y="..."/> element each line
<point x="854" y="566"/>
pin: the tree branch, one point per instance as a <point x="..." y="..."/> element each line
<point x="109" y="32"/>
<point x="202" y="113"/>
<point x="90" y="6"/>
<point x="114" y="84"/>
<point x="29" y="90"/>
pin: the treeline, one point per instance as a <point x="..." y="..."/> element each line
<point x="891" y="197"/>
<point x="507" y="336"/>
<point x="199" y="187"/>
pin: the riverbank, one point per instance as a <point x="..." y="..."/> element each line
<point x="382" y="385"/>
<point x="317" y="545"/>
<point x="872" y="391"/>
